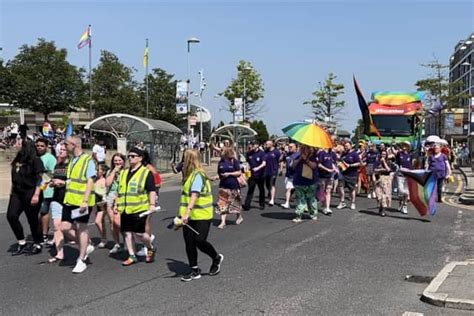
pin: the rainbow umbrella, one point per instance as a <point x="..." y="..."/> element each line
<point x="309" y="134"/>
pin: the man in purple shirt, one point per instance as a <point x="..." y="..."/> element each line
<point x="272" y="159"/>
<point x="327" y="168"/>
<point x="257" y="168"/>
<point x="349" y="168"/>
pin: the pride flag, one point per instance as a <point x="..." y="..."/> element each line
<point x="423" y="190"/>
<point x="395" y="98"/>
<point x="145" y="57"/>
<point x="85" y="38"/>
<point x="369" y="126"/>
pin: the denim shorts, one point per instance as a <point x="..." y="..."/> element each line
<point x="56" y="210"/>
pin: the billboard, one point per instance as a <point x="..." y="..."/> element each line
<point x="181" y="97"/>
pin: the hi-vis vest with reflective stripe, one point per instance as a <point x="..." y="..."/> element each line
<point x="202" y="209"/>
<point x="76" y="183"/>
<point x="132" y="196"/>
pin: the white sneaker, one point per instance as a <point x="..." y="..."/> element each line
<point x="353" y="206"/>
<point x="405" y="209"/>
<point x="90" y="249"/>
<point x="327" y="211"/>
<point x="286" y="206"/>
<point x="115" y="249"/>
<point x="80" y="267"/>
<point x="152" y="238"/>
<point x="102" y="244"/>
<point x="341" y="205"/>
<point x="142" y="252"/>
<point x="369" y="196"/>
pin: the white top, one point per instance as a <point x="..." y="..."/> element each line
<point x="99" y="152"/>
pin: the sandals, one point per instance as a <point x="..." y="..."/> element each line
<point x="55" y="260"/>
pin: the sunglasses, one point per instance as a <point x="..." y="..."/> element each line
<point x="133" y="156"/>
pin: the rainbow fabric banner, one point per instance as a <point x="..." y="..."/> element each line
<point x="423" y="190"/>
<point x="85" y="38"/>
<point x="395" y="98"/>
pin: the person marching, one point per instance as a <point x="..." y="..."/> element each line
<point x="257" y="166"/>
<point x="136" y="195"/>
<point x="349" y="163"/>
<point x="327" y="169"/>
<point x="372" y="159"/>
<point x="438" y="163"/>
<point x="78" y="200"/>
<point x="100" y="189"/>
<point x="272" y="158"/>
<point x="196" y="210"/>
<point x="305" y="180"/>
<point x="290" y="188"/>
<point x="384" y="184"/>
<point x="25" y="196"/>
<point x="404" y="160"/>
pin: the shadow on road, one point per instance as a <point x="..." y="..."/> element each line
<point x="179" y="268"/>
<point x="279" y="215"/>
<point x="396" y="216"/>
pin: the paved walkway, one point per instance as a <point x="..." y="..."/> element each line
<point x="453" y="286"/>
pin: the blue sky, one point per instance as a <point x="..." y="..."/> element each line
<point x="293" y="45"/>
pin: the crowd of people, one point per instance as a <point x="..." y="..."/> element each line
<point x="66" y="185"/>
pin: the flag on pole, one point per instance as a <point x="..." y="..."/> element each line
<point x="369" y="126"/>
<point x="145" y="57"/>
<point x="85" y="38"/>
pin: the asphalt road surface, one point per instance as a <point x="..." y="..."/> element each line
<point x="353" y="262"/>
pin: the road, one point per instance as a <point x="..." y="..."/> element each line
<point x="353" y="262"/>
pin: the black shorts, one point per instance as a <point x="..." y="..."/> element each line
<point x="66" y="216"/>
<point x="132" y="223"/>
<point x="270" y="180"/>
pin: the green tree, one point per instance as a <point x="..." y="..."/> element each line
<point x="113" y="87"/>
<point x="438" y="87"/>
<point x="44" y="81"/>
<point x="325" y="104"/>
<point x="162" y="97"/>
<point x="358" y="132"/>
<point x="6" y="84"/>
<point x="261" y="129"/>
<point x="254" y="90"/>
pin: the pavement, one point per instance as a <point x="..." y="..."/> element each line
<point x="350" y="263"/>
<point x="453" y="286"/>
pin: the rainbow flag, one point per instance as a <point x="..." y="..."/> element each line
<point x="85" y="38"/>
<point x="423" y="190"/>
<point x="395" y="98"/>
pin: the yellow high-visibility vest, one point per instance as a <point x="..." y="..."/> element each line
<point x="203" y="207"/>
<point x="76" y="183"/>
<point x="132" y="196"/>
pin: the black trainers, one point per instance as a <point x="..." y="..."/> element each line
<point x="19" y="250"/>
<point x="194" y="275"/>
<point x="216" y="265"/>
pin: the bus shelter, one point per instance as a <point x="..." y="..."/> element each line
<point x="238" y="134"/>
<point x="160" y="138"/>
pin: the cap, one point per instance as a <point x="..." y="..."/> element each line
<point x="137" y="151"/>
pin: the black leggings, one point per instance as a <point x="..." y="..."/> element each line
<point x="440" y="183"/>
<point x="194" y="242"/>
<point x="19" y="203"/>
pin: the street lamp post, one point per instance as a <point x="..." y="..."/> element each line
<point x="244" y="70"/>
<point x="192" y="40"/>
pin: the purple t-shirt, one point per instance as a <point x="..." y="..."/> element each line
<point x="229" y="182"/>
<point x="373" y="158"/>
<point x="255" y="159"/>
<point x="298" y="178"/>
<point x="350" y="158"/>
<point x="438" y="165"/>
<point x="327" y="160"/>
<point x="272" y="159"/>
<point x="404" y="160"/>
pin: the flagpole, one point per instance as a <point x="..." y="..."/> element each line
<point x="90" y="74"/>
<point x="146" y="77"/>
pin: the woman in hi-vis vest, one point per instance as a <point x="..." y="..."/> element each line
<point x="196" y="211"/>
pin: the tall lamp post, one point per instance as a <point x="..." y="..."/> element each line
<point x="192" y="40"/>
<point x="244" y="71"/>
